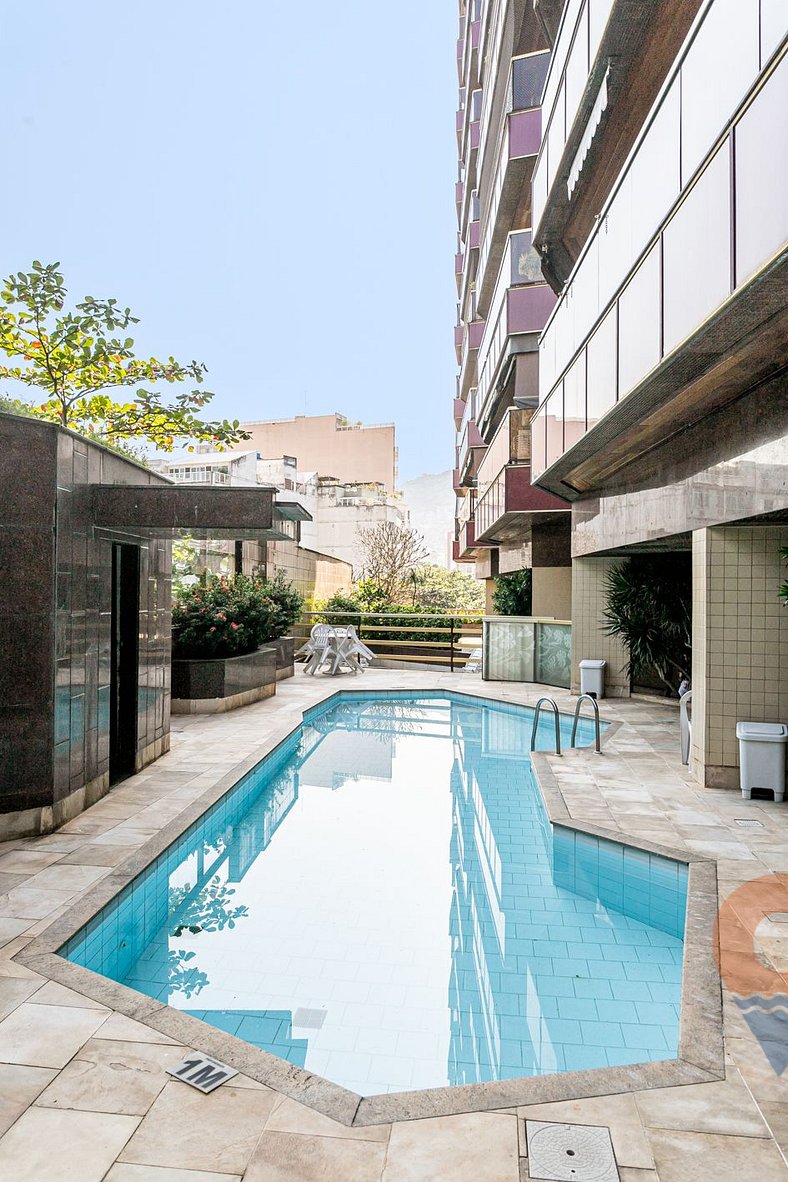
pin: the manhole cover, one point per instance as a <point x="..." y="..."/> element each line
<point x="748" y="823"/>
<point x="309" y="1019"/>
<point x="570" y="1153"/>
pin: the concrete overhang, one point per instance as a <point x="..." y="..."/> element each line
<point x="741" y="345"/>
<point x="291" y="511"/>
<point x="200" y="512"/>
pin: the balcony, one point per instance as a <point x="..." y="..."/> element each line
<point x="470" y="451"/>
<point x="459" y="413"/>
<point x="465" y="546"/>
<point x="610" y="61"/>
<point x="507" y="501"/>
<point x="458" y="335"/>
<point x="520" y="308"/>
<point x="471" y="339"/>
<point x="672" y="308"/>
<point x="519" y="139"/>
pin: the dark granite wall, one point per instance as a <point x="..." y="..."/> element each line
<point x="55" y="619"/>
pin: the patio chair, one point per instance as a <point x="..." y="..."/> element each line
<point x="357" y="648"/>
<point x="322" y="645"/>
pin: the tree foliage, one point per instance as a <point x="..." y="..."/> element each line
<point x="389" y="553"/>
<point x="446" y="590"/>
<point x="512" y="595"/>
<point x="76" y="363"/>
<point x="649" y="605"/>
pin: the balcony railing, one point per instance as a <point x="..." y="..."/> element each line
<point x="510" y="495"/>
<point x="520" y="142"/>
<point x="521" y="303"/>
<point x="510" y="444"/>
<point x="688" y="223"/>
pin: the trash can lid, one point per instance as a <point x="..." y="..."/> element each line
<point x="762" y="732"/>
<point x="592" y="664"/>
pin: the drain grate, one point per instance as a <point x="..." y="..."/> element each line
<point x="309" y="1019"/>
<point x="748" y="823"/>
<point x="570" y="1153"/>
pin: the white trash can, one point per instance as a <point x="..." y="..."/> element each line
<point x="592" y="678"/>
<point x="762" y="757"/>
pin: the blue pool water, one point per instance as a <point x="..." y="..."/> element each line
<point x="383" y="901"/>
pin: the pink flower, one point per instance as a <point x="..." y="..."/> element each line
<point x="212" y="629"/>
<point x="234" y="627"/>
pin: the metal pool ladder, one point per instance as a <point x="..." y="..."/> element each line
<point x="597" y="735"/>
<point x="554" y="707"/>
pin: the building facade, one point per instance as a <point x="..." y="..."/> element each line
<point x="658" y="210"/>
<point x="503" y="522"/>
<point x="330" y="445"/>
<point x="291" y="548"/>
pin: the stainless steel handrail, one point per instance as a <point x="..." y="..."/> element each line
<point x="598" y="736"/>
<point x="552" y="702"/>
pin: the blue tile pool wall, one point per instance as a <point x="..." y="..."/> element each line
<point x="564" y="950"/>
<point x="642" y="885"/>
<point x="118" y="935"/>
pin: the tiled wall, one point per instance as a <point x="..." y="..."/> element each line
<point x="55" y="620"/>
<point x="740" y="642"/>
<point x="589" y="639"/>
<point x="316" y="576"/>
<point x="83" y="621"/>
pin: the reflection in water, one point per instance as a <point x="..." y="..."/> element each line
<point x="414" y="921"/>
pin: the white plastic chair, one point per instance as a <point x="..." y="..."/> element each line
<point x="322" y="646"/>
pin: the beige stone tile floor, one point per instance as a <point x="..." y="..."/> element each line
<point x="84" y="1094"/>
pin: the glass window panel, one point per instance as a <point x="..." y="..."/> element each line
<point x="719" y="68"/>
<point x="577" y="70"/>
<point x="554" y="424"/>
<point x="639" y="323"/>
<point x="598" y="13"/>
<point x="774" y="26"/>
<point x="575" y="402"/>
<point x="601" y="360"/>
<point x="696" y="258"/>
<point x="584" y="294"/>
<point x="762" y="176"/>
<point x="528" y="75"/>
<point x="525" y="262"/>
<point x="538" y="443"/>
<point x="615" y="243"/>
<point x="556" y="138"/>
<point x="654" y="173"/>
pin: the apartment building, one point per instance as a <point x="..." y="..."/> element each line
<point x="658" y="209"/>
<point x="331" y="445"/>
<point x="503" y="521"/>
<point x="291" y="545"/>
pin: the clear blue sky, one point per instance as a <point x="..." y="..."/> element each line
<point x="268" y="186"/>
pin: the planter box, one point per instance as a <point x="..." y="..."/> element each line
<point x="213" y="686"/>
<point x="284" y="648"/>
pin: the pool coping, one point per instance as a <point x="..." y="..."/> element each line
<point x="700" y="1051"/>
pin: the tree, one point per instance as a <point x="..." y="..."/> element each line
<point x="512" y="595"/>
<point x="74" y="360"/>
<point x="649" y="605"/>
<point x="446" y="590"/>
<point x="389" y="553"/>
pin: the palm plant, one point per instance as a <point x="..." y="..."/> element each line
<point x="649" y="605"/>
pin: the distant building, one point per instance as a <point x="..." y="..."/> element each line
<point x="291" y="547"/>
<point x="338" y="508"/>
<point x="330" y="445"/>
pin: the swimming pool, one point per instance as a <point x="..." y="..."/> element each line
<point x="384" y="902"/>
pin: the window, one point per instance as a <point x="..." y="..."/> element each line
<point x="696" y="260"/>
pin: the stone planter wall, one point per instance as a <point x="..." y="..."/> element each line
<point x="213" y="686"/>
<point x="284" y="648"/>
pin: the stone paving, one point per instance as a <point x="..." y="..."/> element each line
<point x="84" y="1096"/>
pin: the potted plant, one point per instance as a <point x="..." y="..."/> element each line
<point x="226" y="637"/>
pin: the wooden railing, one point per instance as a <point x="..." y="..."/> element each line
<point x="440" y="639"/>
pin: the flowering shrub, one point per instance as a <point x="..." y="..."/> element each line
<point x="229" y="617"/>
